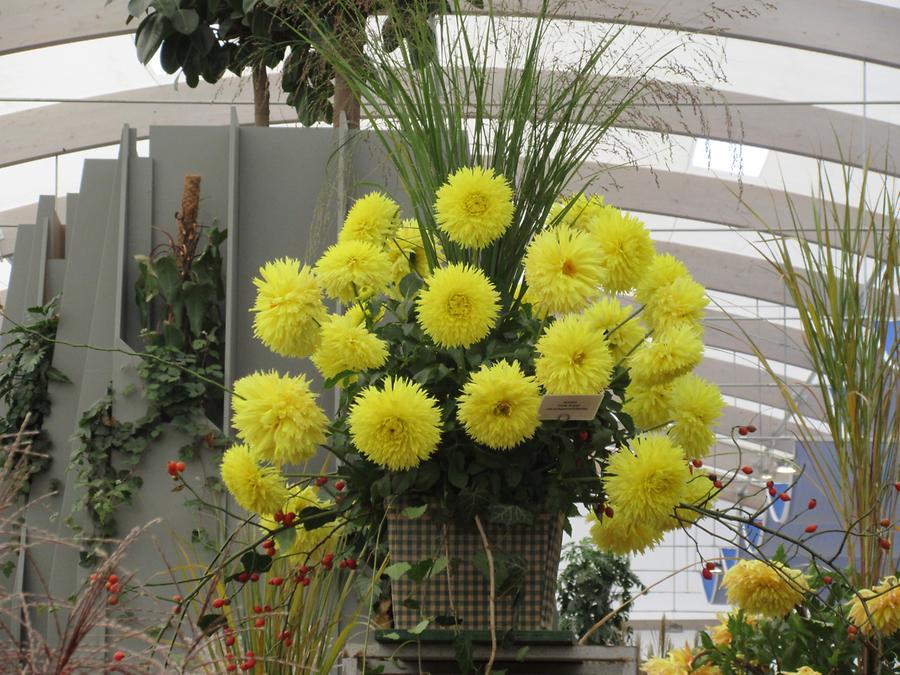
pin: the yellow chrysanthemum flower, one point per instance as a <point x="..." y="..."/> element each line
<point x="573" y="359"/>
<point x="699" y="492"/>
<point x="678" y="662"/>
<point x="583" y="211"/>
<point x="288" y="308"/>
<point x="398" y="426"/>
<point x="721" y="634"/>
<point x="649" y="405"/>
<point x="278" y="416"/>
<point x="309" y="545"/>
<point x="625" y="248"/>
<point x="459" y="306"/>
<point x="883" y="604"/>
<point x="258" y="489"/>
<point x="348" y="346"/>
<point x="499" y="405"/>
<point x="608" y="314"/>
<point x="669" y="354"/>
<point x="803" y="670"/>
<point x="623" y="535"/>
<point x="648" y="480"/>
<point x="765" y="588"/>
<point x="373" y="218"/>
<point x="669" y="295"/>
<point x="696" y="407"/>
<point x="353" y="269"/>
<point x="563" y="271"/>
<point x="407" y="252"/>
<point x="474" y="207"/>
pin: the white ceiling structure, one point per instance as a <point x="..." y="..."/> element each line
<point x="804" y="81"/>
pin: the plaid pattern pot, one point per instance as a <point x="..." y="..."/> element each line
<point x="461" y="590"/>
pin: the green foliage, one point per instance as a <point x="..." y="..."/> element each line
<point x="591" y="585"/>
<point x="181" y="369"/>
<point x="841" y="270"/>
<point x="206" y="38"/>
<point x="550" y="473"/>
<point x="535" y="124"/>
<point x="815" y="635"/>
<point x="27" y="371"/>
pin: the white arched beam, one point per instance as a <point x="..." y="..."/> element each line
<point x="848" y="28"/>
<point x="796" y="129"/>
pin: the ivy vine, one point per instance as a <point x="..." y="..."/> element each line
<point x="179" y="293"/>
<point x="26" y="373"/>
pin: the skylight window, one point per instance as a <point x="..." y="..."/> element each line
<point x="734" y="158"/>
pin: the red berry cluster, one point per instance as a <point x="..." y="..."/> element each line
<point x="113" y="587"/>
<point x="748" y="429"/>
<point x="218" y="603"/>
<point x="348" y="564"/>
<point x="286" y="519"/>
<point x="175" y="469"/>
<point x="707" y="570"/>
<point x="269" y="547"/>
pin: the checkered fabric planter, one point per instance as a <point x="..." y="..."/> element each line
<point x="413" y="540"/>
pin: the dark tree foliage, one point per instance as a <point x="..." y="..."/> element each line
<point x="592" y="584"/>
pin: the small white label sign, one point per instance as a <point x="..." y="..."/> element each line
<point x="571" y="407"/>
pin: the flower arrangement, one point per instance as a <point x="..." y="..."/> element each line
<point x="442" y="372"/>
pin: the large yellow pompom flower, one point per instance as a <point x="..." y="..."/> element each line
<point x="258" y="489"/>
<point x="573" y="359"/>
<point x="721" y="633"/>
<point x="765" y="588"/>
<point x="625" y="248"/>
<point x="499" y="406"/>
<point x="397" y="426"/>
<point x="474" y="207"/>
<point x="623" y="333"/>
<point x="353" y="269"/>
<point x="669" y="354"/>
<point x="309" y="545"/>
<point x="563" y="271"/>
<point x="288" y="308"/>
<point x="669" y="295"/>
<point x="278" y="416"/>
<point x="649" y="405"/>
<point x="648" y="480"/>
<point x="804" y="670"/>
<point x="459" y="306"/>
<point x="348" y="346"/>
<point x="579" y="216"/>
<point x="696" y="407"/>
<point x="678" y="662"/>
<point x="373" y="218"/>
<point x="623" y="535"/>
<point x="883" y="603"/>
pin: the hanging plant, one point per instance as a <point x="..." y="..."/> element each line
<point x="25" y="377"/>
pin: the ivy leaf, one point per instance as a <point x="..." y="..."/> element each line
<point x="397" y="570"/>
<point x="312" y="517"/>
<point x="509" y="514"/>
<point x="419" y="627"/>
<point x="210" y="623"/>
<point x="255" y="562"/>
<point x="414" y="512"/>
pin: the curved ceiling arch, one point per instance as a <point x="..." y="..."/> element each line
<point x="848" y="28"/>
<point x="798" y="129"/>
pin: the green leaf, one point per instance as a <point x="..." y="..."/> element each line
<point x="509" y="514"/>
<point x="456" y="470"/>
<point x="312" y="517"/>
<point x="255" y="562"/>
<point x="414" y="512"/>
<point x="419" y="627"/>
<point x="520" y="654"/>
<point x="149" y="35"/>
<point x="138" y="7"/>
<point x="210" y="623"/>
<point x="391" y="636"/>
<point x="397" y="570"/>
<point x="185" y="21"/>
